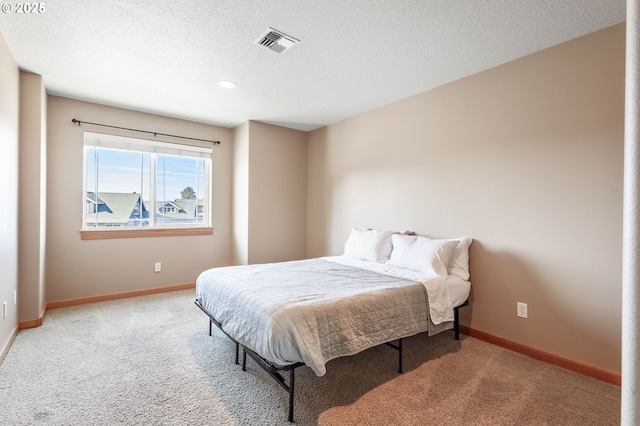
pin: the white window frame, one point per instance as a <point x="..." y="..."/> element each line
<point x="153" y="148"/>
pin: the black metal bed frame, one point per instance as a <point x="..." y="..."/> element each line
<point x="275" y="371"/>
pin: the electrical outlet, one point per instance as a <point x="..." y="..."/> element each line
<point x="158" y="267"/>
<point x="522" y="310"/>
<point x="15" y="296"/>
<point x="4" y="310"/>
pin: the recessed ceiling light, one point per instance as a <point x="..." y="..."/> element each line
<point x="227" y="84"/>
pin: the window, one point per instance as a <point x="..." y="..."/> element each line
<point x="140" y="184"/>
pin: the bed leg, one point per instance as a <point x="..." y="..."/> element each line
<point x="456" y="320"/>
<point x="291" y="386"/>
<point x="456" y="324"/>
<point x="400" y="356"/>
<point x="237" y="349"/>
<point x="210" y="323"/>
<point x="244" y="360"/>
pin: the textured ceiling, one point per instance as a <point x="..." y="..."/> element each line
<point x="165" y="57"/>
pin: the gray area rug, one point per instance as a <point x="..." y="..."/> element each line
<point x="150" y="361"/>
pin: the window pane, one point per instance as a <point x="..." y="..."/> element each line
<point x="117" y="184"/>
<point x="141" y="183"/>
<point x="180" y="190"/>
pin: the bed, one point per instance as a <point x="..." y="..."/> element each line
<point x="385" y="287"/>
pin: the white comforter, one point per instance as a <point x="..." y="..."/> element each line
<point x="314" y="310"/>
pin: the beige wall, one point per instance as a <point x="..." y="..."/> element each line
<point x="277" y="193"/>
<point x="241" y="194"/>
<point x="77" y="268"/>
<point x="32" y="197"/>
<point x="526" y="158"/>
<point x="270" y="170"/>
<point x="9" y="113"/>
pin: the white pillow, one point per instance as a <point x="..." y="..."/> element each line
<point x="459" y="260"/>
<point x="459" y="264"/>
<point x="368" y="244"/>
<point x="421" y="254"/>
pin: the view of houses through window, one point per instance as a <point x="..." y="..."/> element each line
<point x="134" y="183"/>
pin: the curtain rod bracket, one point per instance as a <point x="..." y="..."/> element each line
<point x="155" y="134"/>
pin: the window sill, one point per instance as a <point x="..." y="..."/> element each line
<point x="143" y="233"/>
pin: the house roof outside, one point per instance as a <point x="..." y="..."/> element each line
<point x="185" y="208"/>
<point x="121" y="206"/>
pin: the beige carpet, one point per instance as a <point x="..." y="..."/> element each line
<point x="149" y="361"/>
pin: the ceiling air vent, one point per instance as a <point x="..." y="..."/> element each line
<point x="275" y="40"/>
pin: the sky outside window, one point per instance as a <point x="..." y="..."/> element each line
<point x="127" y="172"/>
<point x="174" y="174"/>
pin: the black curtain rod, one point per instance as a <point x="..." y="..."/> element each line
<point x="73" y="120"/>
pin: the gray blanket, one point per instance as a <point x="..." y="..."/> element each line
<point x="312" y="311"/>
